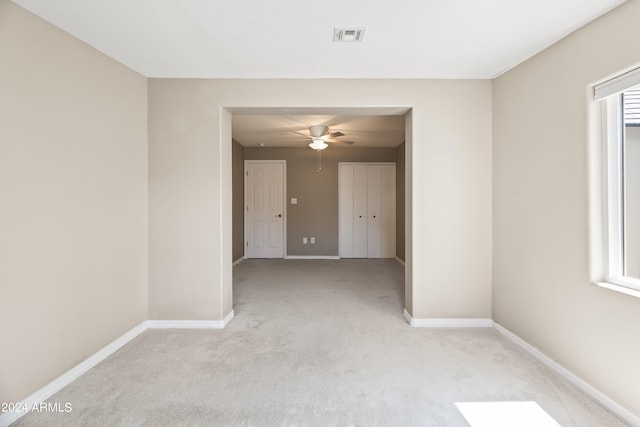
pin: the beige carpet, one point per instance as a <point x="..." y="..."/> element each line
<point x="314" y="343"/>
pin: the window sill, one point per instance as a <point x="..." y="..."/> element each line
<point x="619" y="288"/>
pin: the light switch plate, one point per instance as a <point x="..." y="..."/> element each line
<point x="294" y="201"/>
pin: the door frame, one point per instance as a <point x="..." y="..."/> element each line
<point x="224" y="162"/>
<point x="284" y="203"/>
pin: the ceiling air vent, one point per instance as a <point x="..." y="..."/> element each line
<point x="348" y="34"/>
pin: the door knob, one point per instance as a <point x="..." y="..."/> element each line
<point x="279" y="216"/>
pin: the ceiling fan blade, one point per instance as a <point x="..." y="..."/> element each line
<point x="302" y="134"/>
<point x="339" y="141"/>
<point x="335" y="134"/>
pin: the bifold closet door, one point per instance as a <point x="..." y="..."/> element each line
<point x="353" y="211"/>
<point x="373" y="211"/>
<point x="345" y="211"/>
<point x="367" y="210"/>
<point x="381" y="209"/>
<point x="360" y="211"/>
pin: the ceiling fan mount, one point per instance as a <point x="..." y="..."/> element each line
<point x="317" y="131"/>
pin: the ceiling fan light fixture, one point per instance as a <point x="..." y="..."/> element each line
<point x="318" y="144"/>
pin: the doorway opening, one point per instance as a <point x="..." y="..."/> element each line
<point x="310" y="215"/>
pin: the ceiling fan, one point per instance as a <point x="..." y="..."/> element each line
<point x="320" y="135"/>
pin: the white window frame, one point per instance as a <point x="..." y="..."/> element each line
<point x="609" y="94"/>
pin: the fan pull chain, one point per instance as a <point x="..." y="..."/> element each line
<point x="319" y="161"/>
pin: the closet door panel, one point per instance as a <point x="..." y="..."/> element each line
<point x="373" y="210"/>
<point x="360" y="211"/>
<point x="346" y="211"/>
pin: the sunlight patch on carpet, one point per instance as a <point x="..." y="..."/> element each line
<point x="505" y="414"/>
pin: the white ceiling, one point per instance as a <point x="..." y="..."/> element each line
<point x="293" y="38"/>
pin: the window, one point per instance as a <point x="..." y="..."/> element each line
<point x="620" y="98"/>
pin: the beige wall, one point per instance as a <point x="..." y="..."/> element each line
<point x="237" y="170"/>
<point x="316" y="214"/>
<point x="189" y="184"/>
<point x="73" y="194"/>
<point x="400" y="201"/>
<point x="542" y="289"/>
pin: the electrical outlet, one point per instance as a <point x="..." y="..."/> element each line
<point x="304" y="240"/>
<point x="313" y="240"/>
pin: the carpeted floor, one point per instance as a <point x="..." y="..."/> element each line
<point x="314" y="342"/>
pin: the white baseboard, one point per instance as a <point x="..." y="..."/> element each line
<point x="447" y="323"/>
<point x="72" y="374"/>
<point x="400" y="261"/>
<point x="311" y="257"/>
<point x="238" y="261"/>
<point x="228" y="318"/>
<point x="191" y="324"/>
<point x="570" y="377"/>
<point x="407" y="316"/>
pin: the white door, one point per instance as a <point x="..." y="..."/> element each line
<point x="264" y="209"/>
<point x="373" y="211"/>
<point x="360" y="226"/>
<point x="345" y="203"/>
<point x="367" y="216"/>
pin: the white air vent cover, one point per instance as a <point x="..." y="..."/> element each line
<point x="348" y="34"/>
